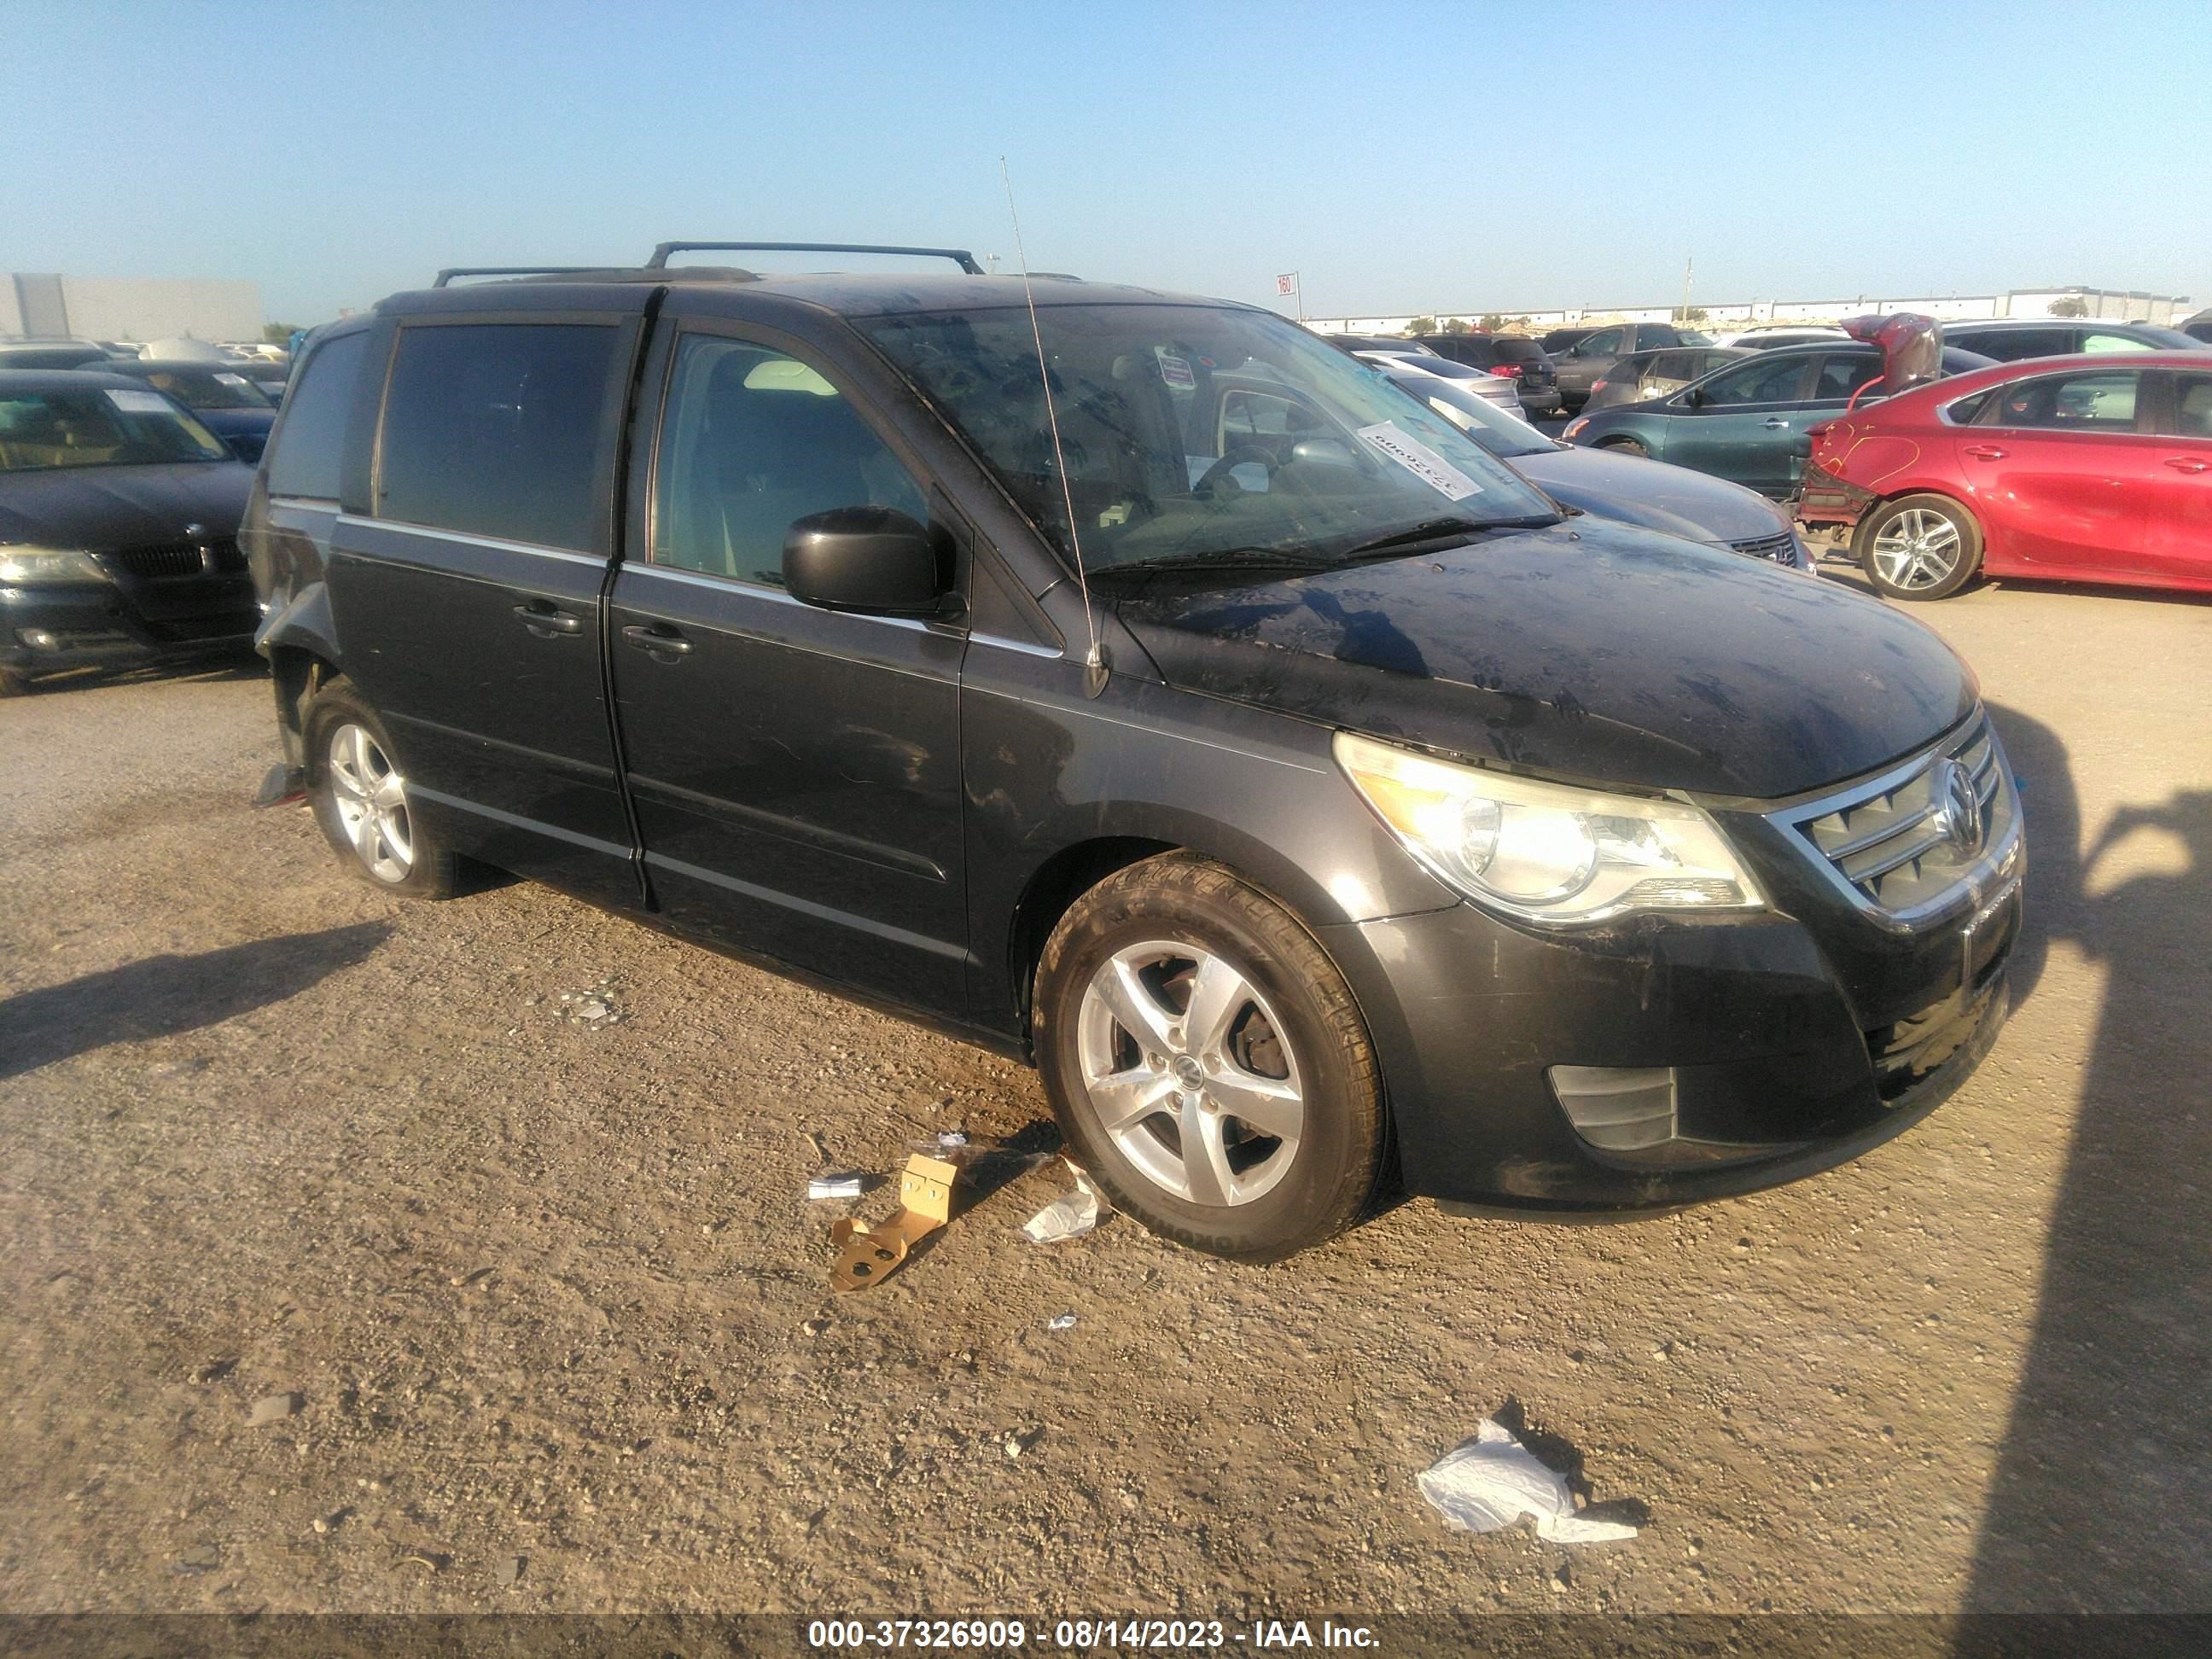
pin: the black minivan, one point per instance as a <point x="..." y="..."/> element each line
<point x="1319" y="805"/>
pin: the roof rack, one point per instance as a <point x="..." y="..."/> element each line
<point x="447" y="276"/>
<point x="959" y="255"/>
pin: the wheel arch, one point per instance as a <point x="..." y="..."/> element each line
<point x="1863" y="529"/>
<point x="303" y="657"/>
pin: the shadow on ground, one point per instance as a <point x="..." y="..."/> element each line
<point x="2102" y="1498"/>
<point x="161" y="996"/>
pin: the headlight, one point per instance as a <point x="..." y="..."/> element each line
<point x="22" y="563"/>
<point x="1543" y="851"/>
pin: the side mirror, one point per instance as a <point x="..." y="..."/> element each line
<point x="872" y="559"/>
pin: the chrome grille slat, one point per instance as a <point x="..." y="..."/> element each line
<point x="1884" y="832"/>
<point x="1892" y="861"/>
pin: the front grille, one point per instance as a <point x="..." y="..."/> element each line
<point x="1777" y="547"/>
<point x="177" y="558"/>
<point x="1892" y="843"/>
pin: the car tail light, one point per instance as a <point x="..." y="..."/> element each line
<point x="1597" y="386"/>
<point x="1507" y="371"/>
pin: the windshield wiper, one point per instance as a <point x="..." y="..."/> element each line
<point x="1224" y="558"/>
<point x="1430" y="530"/>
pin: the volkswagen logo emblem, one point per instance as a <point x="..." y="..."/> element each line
<point x="194" y="531"/>
<point x="1960" y="808"/>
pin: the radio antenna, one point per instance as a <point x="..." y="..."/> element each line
<point x="1094" y="664"/>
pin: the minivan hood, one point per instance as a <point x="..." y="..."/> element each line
<point x="1631" y="490"/>
<point x="1599" y="653"/>
<point x="103" y="507"/>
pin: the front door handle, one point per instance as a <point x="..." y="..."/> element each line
<point x="1775" y="421"/>
<point x="545" y="621"/>
<point x="2187" y="464"/>
<point x="661" y="641"/>
<point x="1985" y="452"/>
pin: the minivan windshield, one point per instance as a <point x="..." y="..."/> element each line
<point x="1201" y="436"/>
<point x="99" y="426"/>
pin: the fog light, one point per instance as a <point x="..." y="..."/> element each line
<point x="1618" y="1109"/>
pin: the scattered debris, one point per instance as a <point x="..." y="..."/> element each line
<point x="214" y="1370"/>
<point x="596" y="1008"/>
<point x="952" y="1137"/>
<point x="865" y="1254"/>
<point x="1018" y="1441"/>
<point x="509" y="1573"/>
<point x="836" y="1186"/>
<point x="435" y="1563"/>
<point x="201" y="1557"/>
<point x="1064" y="1322"/>
<point x="459" y="1281"/>
<point x="1492" y="1481"/>
<point x="274" y="1408"/>
<point x="1069" y="1216"/>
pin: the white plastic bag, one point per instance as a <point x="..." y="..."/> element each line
<point x="1070" y="1216"/>
<point x="1492" y="1481"/>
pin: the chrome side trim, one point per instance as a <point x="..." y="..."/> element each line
<point x="394" y="527"/>
<point x="1000" y="642"/>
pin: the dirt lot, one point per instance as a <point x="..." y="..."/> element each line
<point x="547" y="1291"/>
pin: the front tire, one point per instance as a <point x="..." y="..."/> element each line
<point x="359" y="794"/>
<point x="1206" y="1062"/>
<point x="1920" y="547"/>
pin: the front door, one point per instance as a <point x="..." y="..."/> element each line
<point x="467" y="607"/>
<point x="2056" y="462"/>
<point x="2177" y="538"/>
<point x="796" y="771"/>
<point x="1744" y="422"/>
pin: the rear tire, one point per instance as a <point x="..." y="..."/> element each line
<point x="1919" y="547"/>
<point x="1207" y="1063"/>
<point x="359" y="794"/>
<point x="1626" y="446"/>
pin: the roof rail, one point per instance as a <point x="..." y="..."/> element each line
<point x="959" y="255"/>
<point x="447" y="276"/>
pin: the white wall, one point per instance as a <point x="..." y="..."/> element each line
<point x="153" y="308"/>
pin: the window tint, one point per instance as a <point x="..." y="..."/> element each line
<point x="2098" y="342"/>
<point x="1774" y="379"/>
<point x="1516" y="352"/>
<point x="313" y="445"/>
<point x="2102" y="401"/>
<point x="1966" y="410"/>
<point x="2192" y="406"/>
<point x="2010" y="344"/>
<point x="1668" y="366"/>
<point x="1656" y="334"/>
<point x="1845" y="374"/>
<point x="493" y="429"/>
<point x="1605" y="342"/>
<point x="753" y="440"/>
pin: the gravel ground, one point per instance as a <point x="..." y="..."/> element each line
<point x="535" y="1315"/>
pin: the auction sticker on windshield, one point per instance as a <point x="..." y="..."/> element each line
<point x="1418" y="459"/>
<point x="139" y="403"/>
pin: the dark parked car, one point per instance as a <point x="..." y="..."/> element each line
<point x="229" y="404"/>
<point x="1303" y="794"/>
<point x="1648" y="494"/>
<point x="2199" y="327"/>
<point x="1643" y="375"/>
<point x="1580" y="365"/>
<point x="1556" y="340"/>
<point x="51" y="353"/>
<point x="1747" y="421"/>
<point x="2070" y="469"/>
<point x="119" y="515"/>
<point x="1519" y="360"/>
<point x="268" y="375"/>
<point x="2008" y="340"/>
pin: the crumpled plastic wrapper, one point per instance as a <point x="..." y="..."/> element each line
<point x="1492" y="1481"/>
<point x="1069" y="1216"/>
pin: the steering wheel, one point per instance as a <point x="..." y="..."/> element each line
<point x="1228" y="463"/>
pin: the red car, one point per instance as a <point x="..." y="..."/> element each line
<point x="2082" y="469"/>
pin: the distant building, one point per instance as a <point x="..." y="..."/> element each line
<point x="128" y="309"/>
<point x="2128" y="305"/>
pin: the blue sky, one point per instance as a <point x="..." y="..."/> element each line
<point x="1468" y="154"/>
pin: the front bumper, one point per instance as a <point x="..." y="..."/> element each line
<point x="1787" y="1043"/>
<point x="48" y="628"/>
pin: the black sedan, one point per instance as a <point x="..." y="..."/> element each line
<point x="118" y="524"/>
<point x="229" y="404"/>
<point x="1708" y="510"/>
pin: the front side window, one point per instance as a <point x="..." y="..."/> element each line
<point x="1324" y="454"/>
<point x="2104" y="401"/>
<point x="1606" y="343"/>
<point x="311" y="442"/>
<point x="1775" y="378"/>
<point x="99" y="426"/>
<point x="493" y="429"/>
<point x="753" y="440"/>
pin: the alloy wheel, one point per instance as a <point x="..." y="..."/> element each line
<point x="1917" y="549"/>
<point x="1190" y="1072"/>
<point x="371" y="798"/>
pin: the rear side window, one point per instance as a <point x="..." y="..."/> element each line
<point x="1841" y="375"/>
<point x="311" y="444"/>
<point x="493" y="429"/>
<point x="2096" y="341"/>
<point x="2101" y="401"/>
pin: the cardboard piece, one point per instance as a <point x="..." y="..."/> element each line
<point x="867" y="1255"/>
